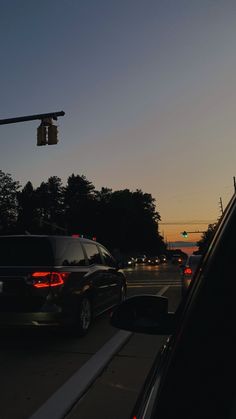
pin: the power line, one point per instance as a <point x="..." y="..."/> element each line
<point x="187" y="222"/>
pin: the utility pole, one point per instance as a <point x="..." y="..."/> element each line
<point x="221" y="206"/>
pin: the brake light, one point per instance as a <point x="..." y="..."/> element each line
<point x="188" y="271"/>
<point x="49" y="279"/>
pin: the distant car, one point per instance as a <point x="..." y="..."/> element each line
<point x="141" y="259"/>
<point x="57" y="280"/>
<point x="188" y="271"/>
<point x="154" y="260"/>
<point x="130" y="262"/>
<point x="163" y="258"/>
<point x="177" y="259"/>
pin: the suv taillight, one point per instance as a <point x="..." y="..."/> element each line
<point x="48" y="279"/>
<point x="188" y="271"/>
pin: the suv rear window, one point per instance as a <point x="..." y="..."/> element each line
<point x="25" y="251"/>
<point x="68" y="252"/>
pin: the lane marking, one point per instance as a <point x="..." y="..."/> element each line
<point x="163" y="290"/>
<point x="153" y="285"/>
<point x="62" y="401"/>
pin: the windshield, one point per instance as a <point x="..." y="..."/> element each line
<point x="25" y="251"/>
<point x="117" y="163"/>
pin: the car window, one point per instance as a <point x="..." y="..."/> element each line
<point x="25" y="251"/>
<point x="69" y="253"/>
<point x="203" y="365"/>
<point x="93" y="254"/>
<point x="108" y="259"/>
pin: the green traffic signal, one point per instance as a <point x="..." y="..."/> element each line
<point x="184" y="234"/>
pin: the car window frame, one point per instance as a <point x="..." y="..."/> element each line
<point x="191" y="306"/>
<point x="84" y="243"/>
<point x="101" y="247"/>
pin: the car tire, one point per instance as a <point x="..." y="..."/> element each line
<point x="83" y="317"/>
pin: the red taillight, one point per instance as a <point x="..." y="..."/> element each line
<point x="48" y="279"/>
<point x="188" y="271"/>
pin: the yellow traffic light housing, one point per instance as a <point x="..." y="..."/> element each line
<point x="41" y="135"/>
<point x="47" y="132"/>
<point x="52" y="134"/>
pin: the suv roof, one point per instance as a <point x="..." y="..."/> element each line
<point x="38" y="250"/>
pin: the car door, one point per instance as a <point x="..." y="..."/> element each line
<point x="197" y="378"/>
<point x="114" y="277"/>
<point x="99" y="277"/>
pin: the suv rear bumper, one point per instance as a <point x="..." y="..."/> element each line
<point x="30" y="319"/>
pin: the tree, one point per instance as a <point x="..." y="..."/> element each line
<point x="8" y="202"/>
<point x="50" y="204"/>
<point x="121" y="219"/>
<point x="80" y="202"/>
<point x="129" y="221"/>
<point x="206" y="238"/>
<point x="28" y="214"/>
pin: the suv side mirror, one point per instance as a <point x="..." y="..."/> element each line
<point x="144" y="314"/>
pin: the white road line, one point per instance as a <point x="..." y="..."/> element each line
<point x="163" y="290"/>
<point x="153" y="286"/>
<point x="62" y="401"/>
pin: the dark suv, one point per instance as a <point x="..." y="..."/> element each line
<point x="57" y="280"/>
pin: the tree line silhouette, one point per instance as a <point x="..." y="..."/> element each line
<point x="123" y="219"/>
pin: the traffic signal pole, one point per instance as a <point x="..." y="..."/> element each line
<point x="185" y="233"/>
<point x="53" y="115"/>
<point x="46" y="132"/>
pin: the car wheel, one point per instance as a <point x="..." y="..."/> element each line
<point x="83" y="317"/>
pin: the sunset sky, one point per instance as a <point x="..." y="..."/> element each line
<point x="148" y="88"/>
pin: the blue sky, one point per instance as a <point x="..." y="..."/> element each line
<point x="149" y="92"/>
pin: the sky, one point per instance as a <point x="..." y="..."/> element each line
<point x="148" y="88"/>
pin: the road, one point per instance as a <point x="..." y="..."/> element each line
<point x="36" y="363"/>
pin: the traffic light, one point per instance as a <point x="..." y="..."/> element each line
<point x="184" y="234"/>
<point x="41" y="135"/>
<point x="52" y="134"/>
